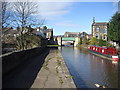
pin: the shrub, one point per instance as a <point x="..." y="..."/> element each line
<point x="26" y="41"/>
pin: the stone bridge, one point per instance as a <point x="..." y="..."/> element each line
<point x="74" y="40"/>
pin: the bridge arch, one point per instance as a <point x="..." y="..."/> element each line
<point x="74" y="40"/>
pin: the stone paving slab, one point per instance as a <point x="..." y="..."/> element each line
<point x="54" y="73"/>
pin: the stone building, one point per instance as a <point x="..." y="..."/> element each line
<point x="72" y="34"/>
<point x="83" y="34"/>
<point x="99" y="29"/>
<point x="49" y="34"/>
<point x="88" y="36"/>
<point x="9" y="35"/>
<point x="8" y="39"/>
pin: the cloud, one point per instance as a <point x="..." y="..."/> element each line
<point x="53" y="9"/>
<point x="68" y="24"/>
<point x="67" y="0"/>
<point x="115" y="7"/>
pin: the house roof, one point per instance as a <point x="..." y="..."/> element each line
<point x="49" y="30"/>
<point x="72" y="33"/>
<point x="9" y="31"/>
<point x="89" y="35"/>
<point x="100" y="23"/>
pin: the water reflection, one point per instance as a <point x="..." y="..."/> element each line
<point x="88" y="69"/>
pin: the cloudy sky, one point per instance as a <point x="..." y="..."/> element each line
<point x="75" y="15"/>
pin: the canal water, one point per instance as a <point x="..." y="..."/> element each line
<point x="88" y="69"/>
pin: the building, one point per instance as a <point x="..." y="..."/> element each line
<point x="88" y="36"/>
<point x="8" y="39"/>
<point x="9" y="35"/>
<point x="38" y="31"/>
<point x="48" y="33"/>
<point x="83" y="35"/>
<point x="99" y="29"/>
<point x="72" y="34"/>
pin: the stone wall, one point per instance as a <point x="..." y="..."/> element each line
<point x="12" y="60"/>
<point x="59" y="40"/>
<point x="77" y="41"/>
<point x="44" y="42"/>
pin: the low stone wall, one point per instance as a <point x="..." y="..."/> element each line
<point x="12" y="60"/>
<point x="44" y="42"/>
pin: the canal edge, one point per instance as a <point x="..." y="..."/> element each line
<point x="101" y="56"/>
<point x="66" y="71"/>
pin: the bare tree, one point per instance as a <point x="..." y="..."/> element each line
<point x="6" y="14"/>
<point x="5" y="18"/>
<point x="0" y="15"/>
<point x="23" y="16"/>
<point x="4" y="4"/>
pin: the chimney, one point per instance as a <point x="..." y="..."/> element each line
<point x="93" y="19"/>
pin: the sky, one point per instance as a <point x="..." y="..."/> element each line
<point x="75" y="15"/>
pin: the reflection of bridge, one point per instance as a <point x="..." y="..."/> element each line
<point x="68" y="40"/>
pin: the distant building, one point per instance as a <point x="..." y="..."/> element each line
<point x="72" y="34"/>
<point x="38" y="31"/>
<point x="48" y="33"/>
<point x="99" y="29"/>
<point x="89" y="36"/>
<point x="9" y="35"/>
<point x="83" y="35"/>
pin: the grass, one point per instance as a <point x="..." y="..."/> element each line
<point x="56" y="51"/>
<point x="69" y="76"/>
<point x="57" y="70"/>
<point x="53" y="45"/>
<point x="49" y="59"/>
<point x="58" y="57"/>
<point x="58" y="62"/>
<point x="60" y="80"/>
<point x="46" y="64"/>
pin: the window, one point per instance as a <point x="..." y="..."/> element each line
<point x="104" y="37"/>
<point x="37" y="29"/>
<point x="14" y="35"/>
<point x="96" y="36"/>
<point x="47" y="35"/>
<point x="102" y="50"/>
<point x="105" y="30"/>
<point x="97" y="29"/>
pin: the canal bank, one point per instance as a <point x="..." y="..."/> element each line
<point x="54" y="73"/>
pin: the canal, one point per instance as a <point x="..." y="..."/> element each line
<point x="88" y="69"/>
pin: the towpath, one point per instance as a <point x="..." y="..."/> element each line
<point x="54" y="73"/>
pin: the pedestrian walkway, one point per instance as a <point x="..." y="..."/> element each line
<point x="54" y="73"/>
